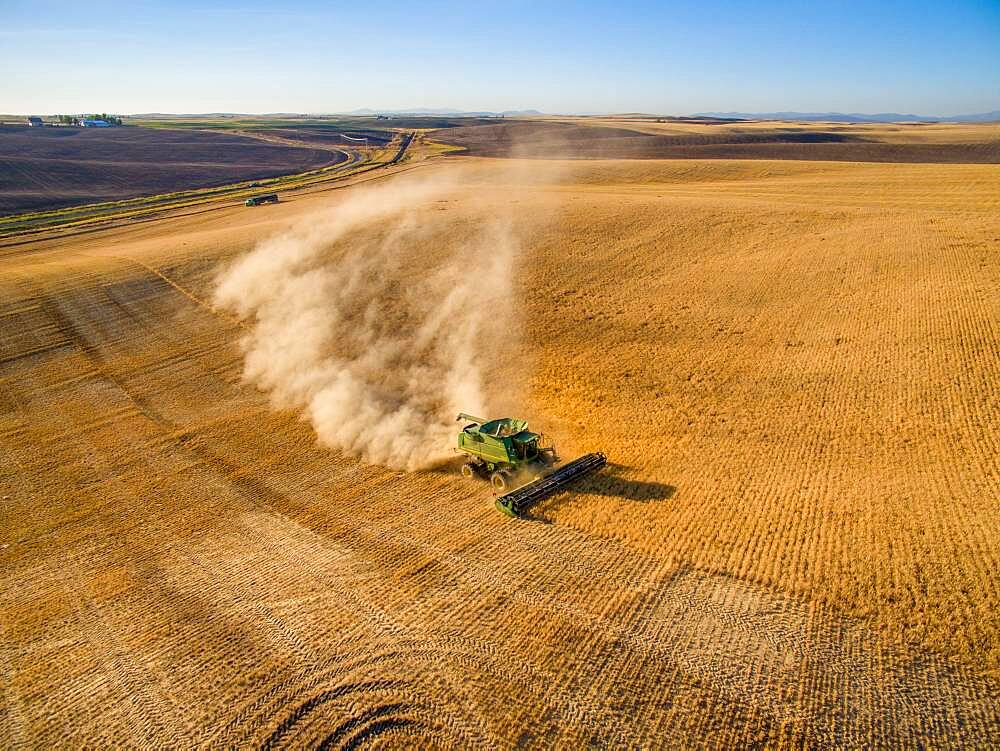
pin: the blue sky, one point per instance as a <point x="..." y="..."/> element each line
<point x="661" y="57"/>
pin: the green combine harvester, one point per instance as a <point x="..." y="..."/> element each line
<point x="507" y="453"/>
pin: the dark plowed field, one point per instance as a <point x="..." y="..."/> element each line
<point x="50" y="168"/>
<point x="565" y="140"/>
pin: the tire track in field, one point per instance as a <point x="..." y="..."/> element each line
<point x="379" y="536"/>
<point x="821" y="648"/>
<point x="634" y="642"/>
<point x="247" y="486"/>
<point x="12" y="718"/>
<point x="377" y="620"/>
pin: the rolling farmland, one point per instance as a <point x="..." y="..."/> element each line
<point x="647" y="138"/>
<point x="791" y="365"/>
<point x="51" y="168"/>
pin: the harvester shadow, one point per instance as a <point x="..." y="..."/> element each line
<point x="608" y="482"/>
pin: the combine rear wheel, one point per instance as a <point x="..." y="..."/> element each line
<point x="468" y="471"/>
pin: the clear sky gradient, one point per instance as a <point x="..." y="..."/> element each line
<point x="938" y="58"/>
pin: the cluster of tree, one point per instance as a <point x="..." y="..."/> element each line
<point x="77" y="119"/>
<point x="109" y="119"/>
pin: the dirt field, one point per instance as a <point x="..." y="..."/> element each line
<point x="792" y="367"/>
<point x="605" y="138"/>
<point x="48" y="168"/>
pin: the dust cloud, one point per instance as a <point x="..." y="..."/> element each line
<point x="374" y="322"/>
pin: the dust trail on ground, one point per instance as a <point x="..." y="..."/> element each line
<point x="379" y="356"/>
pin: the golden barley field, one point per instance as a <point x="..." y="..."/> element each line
<point x="792" y="366"/>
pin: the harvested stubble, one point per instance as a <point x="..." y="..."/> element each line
<point x="793" y="367"/>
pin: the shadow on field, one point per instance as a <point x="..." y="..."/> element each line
<point x="610" y="482"/>
<point x="607" y="481"/>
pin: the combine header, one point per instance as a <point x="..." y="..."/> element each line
<point x="506" y="452"/>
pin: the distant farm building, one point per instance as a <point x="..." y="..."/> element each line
<point x="35" y="122"/>
<point x="95" y="124"/>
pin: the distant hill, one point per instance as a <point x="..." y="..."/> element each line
<point x="443" y="111"/>
<point x="365" y="112"/>
<point x="856" y="117"/>
<point x="213" y="115"/>
<point x="839" y="117"/>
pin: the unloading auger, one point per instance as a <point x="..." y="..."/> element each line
<point x="504" y="450"/>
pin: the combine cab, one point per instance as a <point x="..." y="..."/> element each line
<point x="510" y="455"/>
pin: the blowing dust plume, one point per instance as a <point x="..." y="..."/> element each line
<point x="370" y="319"/>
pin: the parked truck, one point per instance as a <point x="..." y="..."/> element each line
<point x="259" y="200"/>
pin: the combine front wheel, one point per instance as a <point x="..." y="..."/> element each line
<point x="500" y="480"/>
